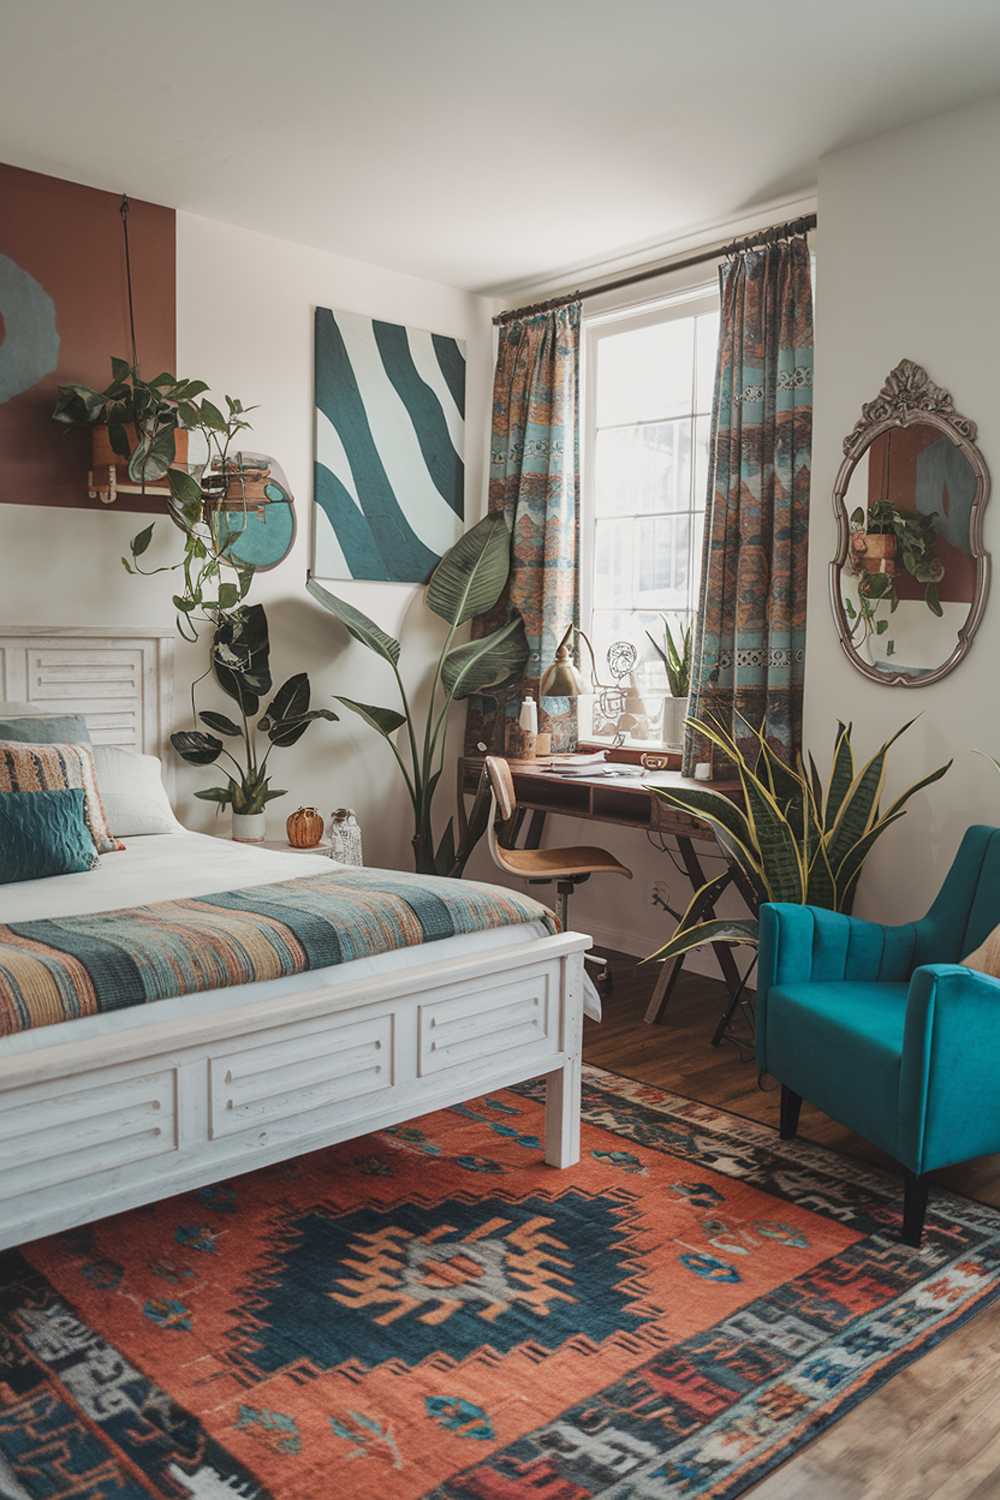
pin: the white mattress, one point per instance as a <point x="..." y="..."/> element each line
<point x="170" y="866"/>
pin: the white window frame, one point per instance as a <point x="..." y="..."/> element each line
<point x="683" y="304"/>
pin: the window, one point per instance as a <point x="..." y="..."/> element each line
<point x="648" y="384"/>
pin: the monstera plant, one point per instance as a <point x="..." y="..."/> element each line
<point x="792" y="839"/>
<point x="468" y="581"/>
<point x="240" y="663"/>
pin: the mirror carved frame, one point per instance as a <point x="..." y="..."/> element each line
<point x="907" y="398"/>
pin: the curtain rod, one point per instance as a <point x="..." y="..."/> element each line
<point x="770" y="236"/>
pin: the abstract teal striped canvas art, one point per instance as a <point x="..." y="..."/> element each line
<point x="390" y="436"/>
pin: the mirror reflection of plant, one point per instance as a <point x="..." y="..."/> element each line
<point x="240" y="663"/>
<point x="468" y="581"/>
<point x="790" y="839"/>
<point x="915" y="533"/>
<point x="143" y="419"/>
<point x="675" y="656"/>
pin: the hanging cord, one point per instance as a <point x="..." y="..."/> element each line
<point x="128" y="276"/>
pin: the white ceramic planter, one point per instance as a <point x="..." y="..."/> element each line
<point x="249" y="828"/>
<point x="674" y="713"/>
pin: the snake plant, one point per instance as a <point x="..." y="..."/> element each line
<point x="468" y="581"/>
<point x="792" y="839"/>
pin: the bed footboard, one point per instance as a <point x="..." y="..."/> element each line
<point x="107" y="1124"/>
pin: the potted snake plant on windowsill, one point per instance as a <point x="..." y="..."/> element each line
<point x="675" y="655"/>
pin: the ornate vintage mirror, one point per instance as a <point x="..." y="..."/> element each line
<point x="910" y="579"/>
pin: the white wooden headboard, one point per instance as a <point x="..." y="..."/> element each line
<point x="121" y="679"/>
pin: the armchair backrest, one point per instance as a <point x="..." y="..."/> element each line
<point x="967" y="907"/>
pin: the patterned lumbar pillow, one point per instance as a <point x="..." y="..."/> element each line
<point x="44" y="833"/>
<point x="986" y="957"/>
<point x="51" y="768"/>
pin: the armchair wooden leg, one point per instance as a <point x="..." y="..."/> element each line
<point x="791" y="1104"/>
<point x="914" y="1208"/>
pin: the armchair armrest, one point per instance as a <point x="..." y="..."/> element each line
<point x="949" y="1087"/>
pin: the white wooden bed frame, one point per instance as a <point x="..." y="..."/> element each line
<point x="90" y="1128"/>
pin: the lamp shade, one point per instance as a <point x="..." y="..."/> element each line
<point x="562" y="679"/>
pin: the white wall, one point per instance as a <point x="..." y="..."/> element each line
<point x="245" y="318"/>
<point x="909" y="238"/>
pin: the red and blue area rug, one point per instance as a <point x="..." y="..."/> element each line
<point x="433" y="1312"/>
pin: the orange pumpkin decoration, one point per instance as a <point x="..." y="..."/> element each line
<point x="304" y="828"/>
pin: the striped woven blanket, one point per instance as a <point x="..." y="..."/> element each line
<point x="63" y="968"/>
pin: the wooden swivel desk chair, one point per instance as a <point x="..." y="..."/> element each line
<point x="567" y="867"/>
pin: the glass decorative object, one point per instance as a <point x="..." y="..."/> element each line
<point x="344" y="833"/>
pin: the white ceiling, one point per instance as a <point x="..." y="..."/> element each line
<point x="482" y="143"/>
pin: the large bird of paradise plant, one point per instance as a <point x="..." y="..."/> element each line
<point x="468" y="581"/>
<point x="791" y="839"/>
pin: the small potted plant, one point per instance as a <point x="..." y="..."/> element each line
<point x="240" y="663"/>
<point x="675" y="655"/>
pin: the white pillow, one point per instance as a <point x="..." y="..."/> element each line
<point x="134" y="796"/>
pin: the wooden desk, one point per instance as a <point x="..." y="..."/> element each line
<point x="628" y="802"/>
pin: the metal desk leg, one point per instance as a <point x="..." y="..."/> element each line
<point x="670" y="973"/>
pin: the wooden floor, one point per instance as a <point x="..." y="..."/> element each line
<point x="932" y="1433"/>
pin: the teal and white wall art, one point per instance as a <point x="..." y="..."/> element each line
<point x="390" y="434"/>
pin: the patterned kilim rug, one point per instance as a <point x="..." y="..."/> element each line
<point x="431" y="1311"/>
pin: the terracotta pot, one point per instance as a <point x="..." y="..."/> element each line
<point x="879" y="552"/>
<point x="102" y="454"/>
<point x="304" y="828"/>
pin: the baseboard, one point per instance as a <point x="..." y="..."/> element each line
<point x="637" y="945"/>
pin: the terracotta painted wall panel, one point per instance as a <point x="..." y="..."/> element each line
<point x="63" y="313"/>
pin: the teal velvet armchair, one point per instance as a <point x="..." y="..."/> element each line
<point x="883" y="1029"/>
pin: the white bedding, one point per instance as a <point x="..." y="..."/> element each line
<point x="167" y="867"/>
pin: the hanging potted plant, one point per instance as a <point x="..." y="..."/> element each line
<point x="676" y="658"/>
<point x="138" y="429"/>
<point x="240" y="663"/>
<point x="881" y="540"/>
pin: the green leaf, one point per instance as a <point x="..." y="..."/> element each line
<point x="119" y="439"/>
<point x="841" y="776"/>
<point x="241" y="656"/>
<point x="184" y="604"/>
<point x="918" y="786"/>
<point x="780" y="855"/>
<point x="184" y="488"/>
<point x="219" y="722"/>
<point x="151" y="458"/>
<point x="196" y="748"/>
<point x="141" y="540"/>
<point x="490" y="662"/>
<point x="212" y="417"/>
<point x="220" y="794"/>
<point x="288" y="731"/>
<point x="120" y="368"/>
<point x="229" y="596"/>
<point x="385" y="720"/>
<point x="719" y="930"/>
<point x="356" y="624"/>
<point x="933" y="598"/>
<point x="274" y="791"/>
<point x="473" y="573"/>
<point x="881" y="626"/>
<point x="291" y="700"/>
<point x="849" y="869"/>
<point x="860" y="803"/>
<point x="444" y="856"/>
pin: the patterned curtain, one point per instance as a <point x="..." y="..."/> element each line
<point x="535" y="481"/>
<point x="750" y="633"/>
